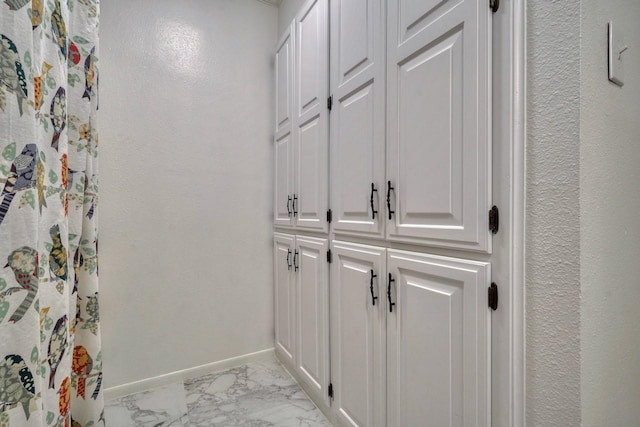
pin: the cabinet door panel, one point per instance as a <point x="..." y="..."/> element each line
<point x="357" y="334"/>
<point x="312" y="176"/>
<point x="439" y="143"/>
<point x="283" y="251"/>
<point x="357" y="119"/>
<point x="312" y="314"/>
<point x="283" y="192"/>
<point x="311" y="120"/>
<point x="284" y="82"/>
<point x="283" y="140"/>
<point x="438" y="360"/>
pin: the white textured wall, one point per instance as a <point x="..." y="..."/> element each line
<point x="288" y="11"/>
<point x="610" y="223"/>
<point x="553" y="215"/>
<point x="186" y="124"/>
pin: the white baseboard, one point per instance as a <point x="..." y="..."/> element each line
<point x="185" y="374"/>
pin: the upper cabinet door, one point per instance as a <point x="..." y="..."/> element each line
<point x="439" y="122"/>
<point x="312" y="361"/>
<point x="358" y="275"/>
<point x="311" y="117"/>
<point x="358" y="116"/>
<point x="283" y="138"/>
<point x="284" y="279"/>
<point x="438" y="352"/>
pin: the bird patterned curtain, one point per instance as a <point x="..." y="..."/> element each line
<point x="50" y="355"/>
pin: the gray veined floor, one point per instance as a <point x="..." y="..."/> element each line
<point x="257" y="394"/>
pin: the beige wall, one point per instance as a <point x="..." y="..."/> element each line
<point x="186" y="188"/>
<point x="553" y="214"/>
<point x="610" y="221"/>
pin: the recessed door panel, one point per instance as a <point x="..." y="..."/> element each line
<point x="430" y="160"/>
<point x="284" y="82"/>
<point x="357" y="333"/>
<point x="438" y="360"/>
<point x="310" y="60"/>
<point x="354" y="28"/>
<point x="311" y="121"/>
<point x="415" y="15"/>
<point x="312" y="324"/>
<point x="311" y="172"/>
<point x="283" y="197"/>
<point x="357" y="118"/>
<point x="284" y="279"/>
<point x="439" y="134"/>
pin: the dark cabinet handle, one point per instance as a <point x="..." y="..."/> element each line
<point x="373" y="297"/>
<point x="295" y="205"/>
<point x="373" y="209"/>
<point x="391" y="303"/>
<point x="295" y="260"/>
<point x="389" y="190"/>
<point x="288" y="259"/>
<point x="289" y="206"/>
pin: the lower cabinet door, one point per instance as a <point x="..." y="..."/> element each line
<point x="438" y="341"/>
<point x="284" y="279"/>
<point x="312" y="363"/>
<point x="357" y="334"/>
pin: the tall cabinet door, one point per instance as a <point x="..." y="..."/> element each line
<point x="285" y="301"/>
<point x="313" y="313"/>
<point x="358" y="116"/>
<point x="283" y="138"/>
<point x="311" y="117"/>
<point x="438" y="335"/>
<point x="357" y="334"/>
<point x="439" y="117"/>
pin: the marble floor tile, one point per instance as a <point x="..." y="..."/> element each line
<point x="163" y="406"/>
<point x="256" y="394"/>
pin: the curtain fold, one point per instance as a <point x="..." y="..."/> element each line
<point x="50" y="351"/>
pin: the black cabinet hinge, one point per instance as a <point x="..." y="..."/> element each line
<point x="331" y="391"/>
<point x="329" y="103"/>
<point x="329" y="216"/>
<point x="493" y="297"/>
<point x="494" y="5"/>
<point x="494" y="220"/>
<point x="329" y="256"/>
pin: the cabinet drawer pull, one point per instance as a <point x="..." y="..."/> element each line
<point x="373" y="297"/>
<point x="391" y="303"/>
<point x="289" y="206"/>
<point x="295" y="205"/>
<point x="389" y="190"/>
<point x="373" y="208"/>
<point x="295" y="260"/>
<point x="288" y="259"/>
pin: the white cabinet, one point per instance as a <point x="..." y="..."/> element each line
<point x="284" y="295"/>
<point x="439" y="122"/>
<point x="358" y="302"/>
<point x="312" y="326"/>
<point x="438" y="334"/>
<point x="302" y="126"/>
<point x="301" y="276"/>
<point x="420" y="355"/>
<point x="433" y="187"/>
<point x="283" y="139"/>
<point x="399" y="338"/>
<point x="358" y="116"/>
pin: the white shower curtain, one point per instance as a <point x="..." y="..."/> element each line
<point x="50" y="355"/>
